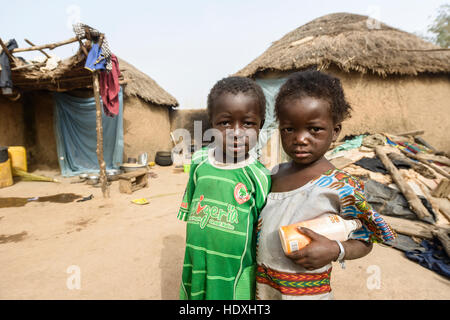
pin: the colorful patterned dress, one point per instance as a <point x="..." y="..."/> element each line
<point x="221" y="206"/>
<point x="333" y="192"/>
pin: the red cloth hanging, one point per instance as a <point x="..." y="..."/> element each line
<point x="109" y="88"/>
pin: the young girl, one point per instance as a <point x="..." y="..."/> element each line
<point x="310" y="107"/>
<point x="226" y="191"/>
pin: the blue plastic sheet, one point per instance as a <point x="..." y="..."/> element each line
<point x="76" y="136"/>
<point x="270" y="88"/>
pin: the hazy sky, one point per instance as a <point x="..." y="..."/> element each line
<point x="186" y="46"/>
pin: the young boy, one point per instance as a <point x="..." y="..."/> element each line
<point x="227" y="189"/>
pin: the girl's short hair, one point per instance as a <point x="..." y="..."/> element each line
<point x="313" y="83"/>
<point x="235" y="85"/>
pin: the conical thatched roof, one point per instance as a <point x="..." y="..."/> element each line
<point x="351" y="42"/>
<point x="71" y="74"/>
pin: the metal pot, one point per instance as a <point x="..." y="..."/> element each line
<point x="83" y="176"/>
<point x="93" y="179"/>
<point x="132" y="167"/>
<point x="143" y="158"/>
<point x="113" y="174"/>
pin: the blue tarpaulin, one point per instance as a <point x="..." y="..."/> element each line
<point x="270" y="88"/>
<point x="76" y="135"/>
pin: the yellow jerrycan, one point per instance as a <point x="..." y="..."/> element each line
<point x="18" y="156"/>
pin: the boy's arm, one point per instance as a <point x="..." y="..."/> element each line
<point x="183" y="211"/>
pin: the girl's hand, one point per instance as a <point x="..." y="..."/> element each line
<point x="320" y="252"/>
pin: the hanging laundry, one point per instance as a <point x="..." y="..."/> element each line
<point x="95" y="59"/>
<point x="109" y="88"/>
<point x="5" y="73"/>
<point x="79" y="29"/>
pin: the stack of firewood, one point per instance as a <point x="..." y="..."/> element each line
<point x="428" y="176"/>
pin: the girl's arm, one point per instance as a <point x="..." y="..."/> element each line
<point x="321" y="251"/>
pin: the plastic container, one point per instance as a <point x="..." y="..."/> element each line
<point x="18" y="156"/>
<point x="6" y="178"/>
<point x="331" y="226"/>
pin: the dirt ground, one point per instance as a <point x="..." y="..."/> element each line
<point x="121" y="250"/>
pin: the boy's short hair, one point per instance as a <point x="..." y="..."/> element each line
<point x="313" y="83"/>
<point x="235" y="85"/>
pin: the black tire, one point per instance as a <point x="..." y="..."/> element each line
<point x="163" y="158"/>
<point x="3" y="154"/>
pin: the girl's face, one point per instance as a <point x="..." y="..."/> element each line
<point x="238" y="120"/>
<point x="307" y="129"/>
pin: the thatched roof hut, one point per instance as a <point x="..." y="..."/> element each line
<point x="394" y="80"/>
<point x="352" y="43"/>
<point x="29" y="121"/>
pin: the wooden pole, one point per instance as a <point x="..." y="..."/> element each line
<point x="50" y="46"/>
<point x="42" y="51"/>
<point x="101" y="161"/>
<point x="413" y="200"/>
<point x="429" y="164"/>
<point x="39" y="64"/>
<point x="411" y="133"/>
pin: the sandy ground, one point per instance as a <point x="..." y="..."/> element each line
<point x="125" y="251"/>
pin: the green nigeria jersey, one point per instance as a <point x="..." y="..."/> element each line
<point x="221" y="205"/>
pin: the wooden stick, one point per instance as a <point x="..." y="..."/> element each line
<point x="416" y="166"/>
<point x="8" y="53"/>
<point x="431" y="165"/>
<point x="413" y="228"/>
<point x="100" y="41"/>
<point x="61" y="80"/>
<point x="50" y="46"/>
<point x="42" y="51"/>
<point x="411" y="133"/>
<point x="442" y="190"/>
<point x="432" y="157"/>
<point x="29" y="66"/>
<point x="409" y="227"/>
<point x="413" y="200"/>
<point x="423" y="142"/>
<point x="444" y="207"/>
<point x="83" y="48"/>
<point x="101" y="161"/>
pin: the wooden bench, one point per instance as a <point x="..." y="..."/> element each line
<point x="132" y="181"/>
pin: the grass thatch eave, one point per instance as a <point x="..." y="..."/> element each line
<point x="71" y="74"/>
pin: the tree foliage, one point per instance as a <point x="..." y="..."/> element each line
<point x="441" y="27"/>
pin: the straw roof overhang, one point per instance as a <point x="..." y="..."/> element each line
<point x="352" y="43"/>
<point x="71" y="74"/>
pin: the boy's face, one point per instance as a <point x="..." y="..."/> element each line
<point x="307" y="129"/>
<point x="237" y="118"/>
